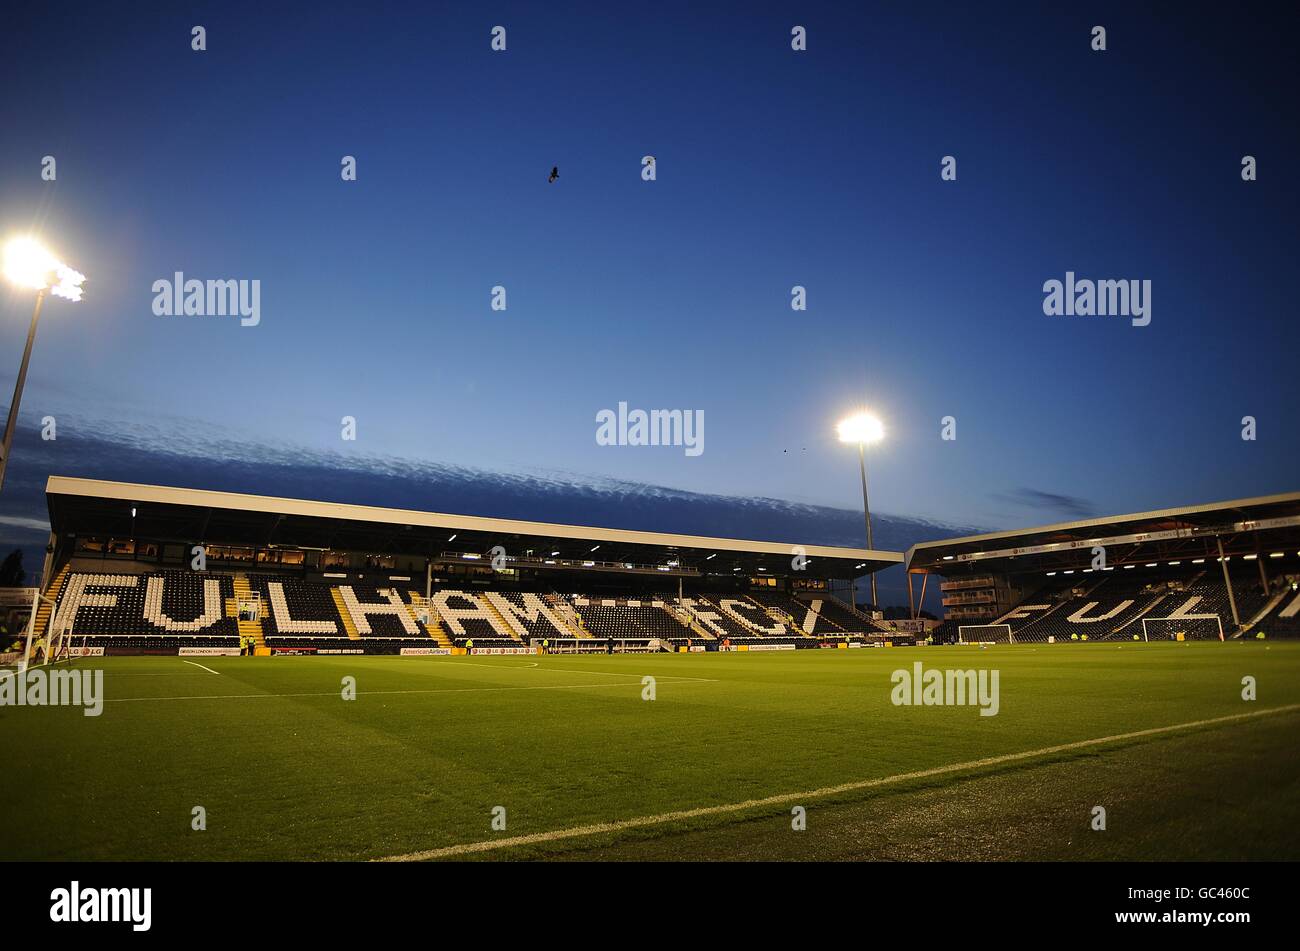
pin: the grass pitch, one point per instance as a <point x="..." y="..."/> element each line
<point x="285" y="768"/>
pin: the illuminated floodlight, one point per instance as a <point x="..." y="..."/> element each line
<point x="861" y="428"/>
<point x="29" y="264"/>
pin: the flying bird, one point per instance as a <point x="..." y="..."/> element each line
<point x="555" y="173"/>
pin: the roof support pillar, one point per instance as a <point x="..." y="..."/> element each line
<point x="47" y="569"/>
<point x="1227" y="583"/>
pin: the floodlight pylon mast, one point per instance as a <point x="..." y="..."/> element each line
<point x="866" y="509"/>
<point x="12" y="422"/>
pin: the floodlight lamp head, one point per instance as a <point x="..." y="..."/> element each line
<point x="862" y="428"/>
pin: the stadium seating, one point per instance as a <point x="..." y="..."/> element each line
<point x="634" y="619"/>
<point x="800" y="613"/>
<point x="1152" y="602"/>
<point x="160" y="610"/>
<point x="1283" y="616"/>
<point x="528" y="614"/>
<point x="379" y="611"/>
<point x="837" y="615"/>
<point x="737" y="614"/>
<point x="316" y="616"/>
<point x="293" y="608"/>
<point x="170" y="610"/>
<point x="469" y="616"/>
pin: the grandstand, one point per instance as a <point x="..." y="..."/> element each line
<point x="284" y="576"/>
<point x="1222" y="570"/>
<point x="136" y="569"/>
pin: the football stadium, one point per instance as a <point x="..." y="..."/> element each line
<point x="400" y="685"/>
<point x="712" y="440"/>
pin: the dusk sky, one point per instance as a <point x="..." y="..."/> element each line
<point x="775" y="168"/>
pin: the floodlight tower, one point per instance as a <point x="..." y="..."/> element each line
<point x="863" y="428"/>
<point x="27" y="264"/>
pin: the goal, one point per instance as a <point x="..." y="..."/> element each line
<point x="985" y="634"/>
<point x="1193" y="627"/>
<point x="24" y="644"/>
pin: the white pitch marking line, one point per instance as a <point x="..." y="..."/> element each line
<point x="668" y="678"/>
<point x="380" y="693"/>
<point x="489" y="845"/>
<point x="208" y="669"/>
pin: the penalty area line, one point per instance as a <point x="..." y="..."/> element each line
<point x="641" y="822"/>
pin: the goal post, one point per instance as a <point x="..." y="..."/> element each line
<point x="1193" y="627"/>
<point x="985" y="634"/>
<point x="21" y="607"/>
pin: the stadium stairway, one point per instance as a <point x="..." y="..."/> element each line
<point x="46" y="607"/>
<point x="834" y="627"/>
<point x="563" y="610"/>
<point x="439" y="633"/>
<point x="1019" y="634"/>
<point x="243" y="592"/>
<point x="499" y="622"/>
<point x="850" y="608"/>
<point x="1122" y="630"/>
<point x="348" y="624"/>
<point x="822" y="626"/>
<point x="700" y="629"/>
<point x="783" y="617"/>
<point x="1265" y="611"/>
<point x="433" y="626"/>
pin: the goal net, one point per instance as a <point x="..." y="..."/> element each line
<point x="1193" y="627"/>
<point x="985" y="634"/>
<point x="19" y="639"/>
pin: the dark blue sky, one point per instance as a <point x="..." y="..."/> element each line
<point x="775" y="168"/>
